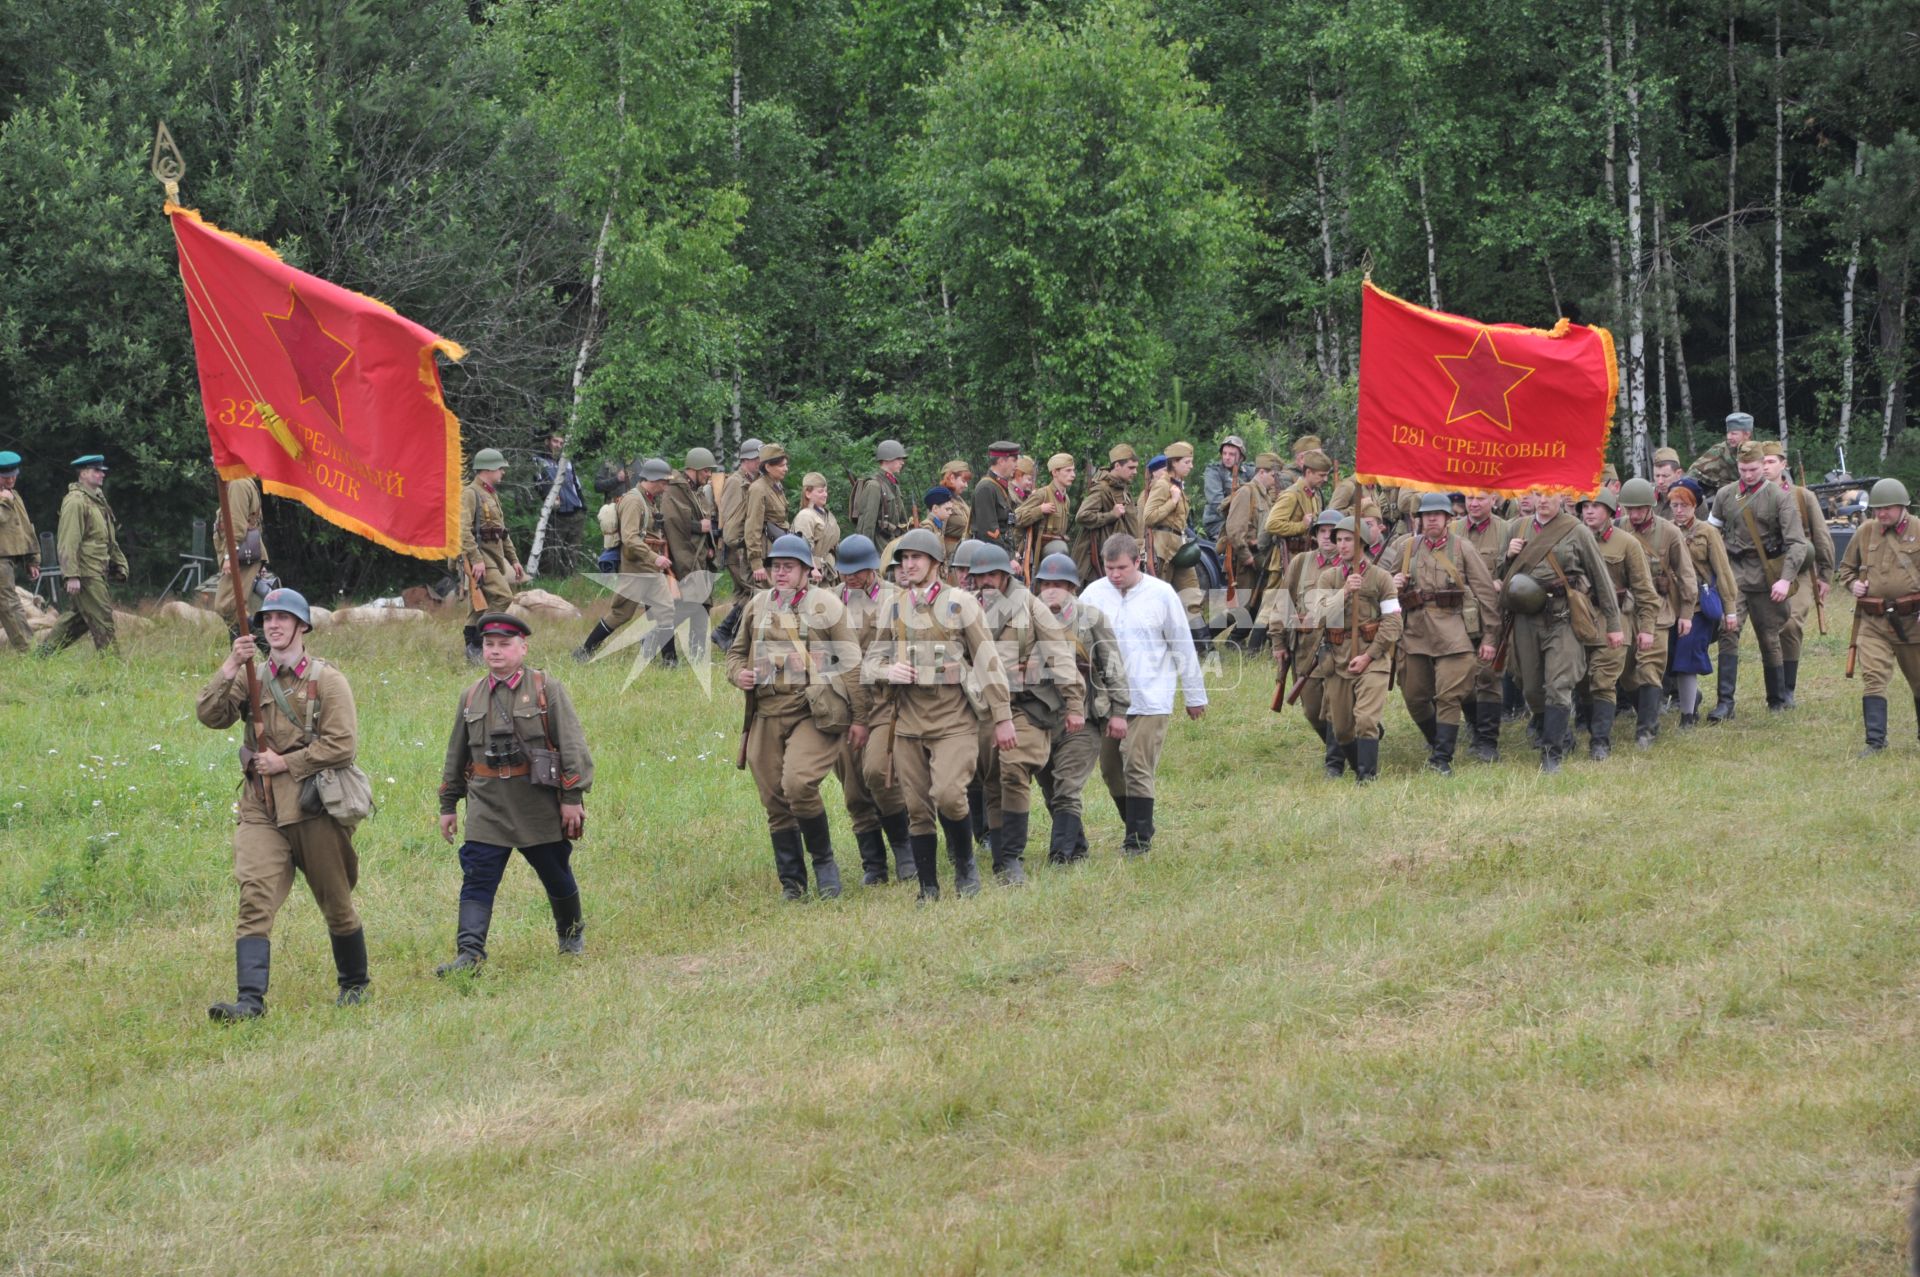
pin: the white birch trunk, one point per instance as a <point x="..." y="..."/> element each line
<point x="1733" y="164"/>
<point x="1779" y="230"/>
<point x="1636" y="289"/>
<point x="1433" y="265"/>
<point x="1846" y="314"/>
<point x="1622" y="407"/>
<point x="1669" y="296"/>
<point x="1335" y="356"/>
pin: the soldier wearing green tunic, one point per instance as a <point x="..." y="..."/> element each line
<point x="486" y="548"/>
<point x="19" y="552"/>
<point x="90" y="556"/>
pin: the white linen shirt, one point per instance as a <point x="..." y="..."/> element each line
<point x="1150" y="624"/>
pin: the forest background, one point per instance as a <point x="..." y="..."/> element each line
<point x="825" y="222"/>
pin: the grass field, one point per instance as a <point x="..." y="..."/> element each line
<point x="1655" y="1016"/>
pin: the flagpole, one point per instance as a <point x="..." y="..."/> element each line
<point x="169" y="167"/>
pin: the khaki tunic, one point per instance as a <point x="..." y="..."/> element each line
<point x="880" y="512"/>
<point x="1818" y="568"/>
<point x="863" y="772"/>
<point x="1777" y="519"/>
<point x="993" y="507"/>
<point x="89" y="537"/>
<point x="1354" y="703"/>
<point x="1052" y="527"/>
<point x="19" y="548"/>
<point x="1889" y="562"/>
<point x="679" y="511"/>
<point x="1709" y="555"/>
<point x="484" y="542"/>
<point x="804" y="654"/>
<point x="822" y="533"/>
<point x="1434" y="629"/>
<point x="1099" y="517"/>
<point x="1044" y="686"/>
<point x="243" y="498"/>
<point x="511" y="811"/>
<point x="766" y="509"/>
<point x="1548" y="658"/>
<point x="1242" y="528"/>
<point x="1166" y="515"/>
<point x="1671" y="567"/>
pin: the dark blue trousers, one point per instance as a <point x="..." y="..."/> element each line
<point x="482" y="864"/>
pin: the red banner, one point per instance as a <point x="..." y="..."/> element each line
<point x="1449" y="404"/>
<point x="332" y="398"/>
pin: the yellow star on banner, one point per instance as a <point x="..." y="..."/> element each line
<point x="1482" y="382"/>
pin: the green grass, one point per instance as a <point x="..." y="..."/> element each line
<point x="1653" y="1016"/>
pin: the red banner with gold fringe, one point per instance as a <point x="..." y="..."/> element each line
<point x="331" y="397"/>
<point x="1449" y="404"/>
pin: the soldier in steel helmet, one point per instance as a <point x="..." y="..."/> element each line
<point x="1450" y="606"/>
<point x="19" y="552"/>
<point x="486" y="548"/>
<point x="942" y="673"/>
<point x="307" y="725"/>
<point x="1074" y="754"/>
<point x="686" y="516"/>
<point x="1882" y="572"/>
<point x="1768" y="547"/>
<point x="1482" y="528"/>
<point x="1632" y="584"/>
<point x="879" y="506"/>
<point x="1357" y="622"/>
<point x="1044" y="687"/>
<point x="518" y="756"/>
<point x="733" y="536"/>
<point x="1556" y="593"/>
<point x="793" y="657"/>
<point x="873" y="800"/>
<point x="1676" y="593"/>
<point x="644" y="563"/>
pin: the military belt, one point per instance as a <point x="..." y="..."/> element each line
<point x="486" y="772"/>
<point x="1445" y="600"/>
<point x="1367" y="633"/>
<point x="490" y="534"/>
<point x="1905" y="605"/>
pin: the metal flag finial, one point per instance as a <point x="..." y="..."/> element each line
<point x="168" y="164"/>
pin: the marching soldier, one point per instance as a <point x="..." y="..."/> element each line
<point x="1107" y="508"/>
<point x="1811" y="586"/>
<point x="307" y="725"/>
<point x="519" y="757"/>
<point x="1285" y="612"/>
<point x="875" y="803"/>
<point x="1768" y="548"/>
<point x="1074" y="754"/>
<point x="1556" y="593"/>
<point x="1046" y="695"/>
<point x="1221" y="480"/>
<point x="19" y="552"/>
<point x="879" y="507"/>
<point x="1718" y="466"/>
<point x="1357" y="622"/>
<point x="243" y="498"/>
<point x="733" y="537"/>
<point x="793" y="656"/>
<point x="956" y="477"/>
<point x="1882" y="572"/>
<point x="486" y="550"/>
<point x="1168" y="517"/>
<point x="687" y="516"/>
<point x="816" y="523"/>
<point x="1713" y="574"/>
<point x="766" y="519"/>
<point x="1632" y="584"/>
<point x="644" y="561"/>
<point x="1448" y="604"/>
<point x="1243" y="533"/>
<point x="935" y="656"/>
<point x="1676" y="592"/>
<point x="1486" y="532"/>
<point x="89" y="543"/>
<point x="1044" y="515"/>
<point x="993" y="499"/>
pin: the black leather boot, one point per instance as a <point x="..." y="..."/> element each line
<point x="977" y="816"/>
<point x="252" y="956"/>
<point x="1139" y="827"/>
<point x="1063" y="848"/>
<point x="350" y="963"/>
<point x="470" y="939"/>
<point x="873" y="857"/>
<point x="1426" y="726"/>
<point x="925" y="851"/>
<point x="966" y="873"/>
<point x="1555" y="729"/>
<point x="568" y="923"/>
<point x="591" y="644"/>
<point x="1771" y="676"/>
<point x="1729" y="684"/>
<point x="723" y="632"/>
<point x="1647" y="706"/>
<point x="1446" y="737"/>
<point x="1366" y="759"/>
<point x="1513" y="701"/>
<point x="1486" y="731"/>
<point x="1873" y="709"/>
<point x="818" y="836"/>
<point x="789" y="863"/>
<point x="1789" y="680"/>
<point x="1010" y="852"/>
<point x="894" y="826"/>
<point x="472" y="636"/>
<point x="1536" y="731"/>
<point x="1336" y="757"/>
<point x="1600" y="725"/>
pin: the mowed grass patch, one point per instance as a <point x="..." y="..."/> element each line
<point x="1650" y="1016"/>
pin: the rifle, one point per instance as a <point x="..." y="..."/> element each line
<point x="1819" y="604"/>
<point x="262" y="790"/>
<point x="746" y="730"/>
<point x="893" y="692"/>
<point x="1300" y="684"/>
<point x="1280" y="690"/>
<point x="1500" y="652"/>
<point x="1853" y="642"/>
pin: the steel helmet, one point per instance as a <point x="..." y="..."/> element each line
<point x="1435" y="503"/>
<point x="1058" y="567"/>
<point x="1637" y="492"/>
<point x="1606" y="499"/>
<point x="1327" y="519"/>
<point x="1523" y="595"/>
<point x="963" y="553"/>
<point x="856" y="554"/>
<point x="889" y="450"/>
<point x="700" y="459"/>
<point x="791" y="547"/>
<point x="1346" y="524"/>
<point x="1887" y="492"/>
<point x="655" y="470"/>
<point x="489" y="459"/>
<point x="988" y="557"/>
<point x="1187" y="555"/>
<point x="919" y="541"/>
<point x="292" y="602"/>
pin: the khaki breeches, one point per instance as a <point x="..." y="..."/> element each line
<point x="1435" y="687"/>
<point x="1605" y="666"/>
<point x="13" y="616"/>
<point x="265" y="858"/>
<point x="789" y="757"/>
<point x="1129" y="766"/>
<point x="1881" y="652"/>
<point x="1008" y="780"/>
<point x="862" y="774"/>
<point x="933" y="773"/>
<point x="223" y="595"/>
<point x="1547" y="660"/>
<point x="1354" y="705"/>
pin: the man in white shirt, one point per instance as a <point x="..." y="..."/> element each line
<point x="1150" y="624"/>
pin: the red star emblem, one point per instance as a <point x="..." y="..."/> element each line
<point x="1482" y="381"/>
<point x="317" y="355"/>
